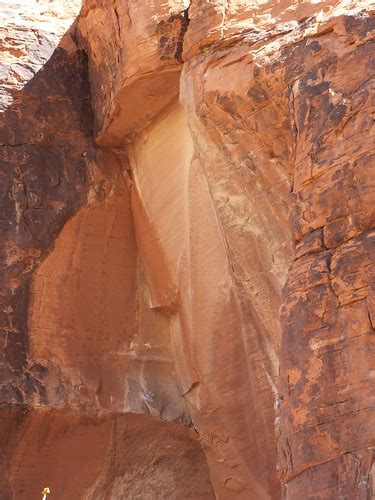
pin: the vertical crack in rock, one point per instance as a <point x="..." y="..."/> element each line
<point x="171" y="33"/>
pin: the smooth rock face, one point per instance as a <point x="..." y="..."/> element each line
<point x="135" y="51"/>
<point x="77" y="332"/>
<point x="115" y="456"/>
<point x="198" y="248"/>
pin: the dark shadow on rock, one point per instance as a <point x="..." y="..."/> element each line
<point x="46" y="145"/>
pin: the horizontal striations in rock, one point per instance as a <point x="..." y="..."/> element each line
<point x="78" y="334"/>
<point x="91" y="334"/>
<point x="328" y="352"/>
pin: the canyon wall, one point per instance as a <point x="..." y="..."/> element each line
<point x="89" y="402"/>
<point x="187" y="309"/>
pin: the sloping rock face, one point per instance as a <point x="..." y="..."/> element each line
<point x="45" y="130"/>
<point x="82" y="355"/>
<point x="189" y="213"/>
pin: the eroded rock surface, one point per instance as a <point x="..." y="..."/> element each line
<point x="46" y="141"/>
<point x="115" y="456"/>
<point x="208" y="227"/>
<point x="77" y="331"/>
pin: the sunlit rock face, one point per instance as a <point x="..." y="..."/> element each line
<point x="29" y="33"/>
<point x="188" y="210"/>
<point x="77" y="331"/>
<point x="135" y="61"/>
<point x="276" y="121"/>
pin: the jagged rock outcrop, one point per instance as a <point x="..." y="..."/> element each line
<point x="188" y="212"/>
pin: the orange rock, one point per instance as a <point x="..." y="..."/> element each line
<point x="223" y="175"/>
<point x="122" y="456"/>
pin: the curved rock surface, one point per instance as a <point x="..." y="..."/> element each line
<point x="114" y="456"/>
<point x="188" y="218"/>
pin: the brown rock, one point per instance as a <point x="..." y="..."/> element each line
<point x="118" y="456"/>
<point x="77" y="331"/>
<point x="44" y="135"/>
<point x="135" y="60"/>
<point x="325" y="312"/>
<point x="225" y="173"/>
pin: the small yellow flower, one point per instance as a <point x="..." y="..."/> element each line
<point x="46" y="491"/>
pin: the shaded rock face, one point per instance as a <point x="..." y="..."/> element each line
<point x="115" y="456"/>
<point x="188" y="242"/>
<point x="46" y="138"/>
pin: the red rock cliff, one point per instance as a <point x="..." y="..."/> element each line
<point x="187" y="260"/>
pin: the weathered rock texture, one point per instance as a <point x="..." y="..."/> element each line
<point x="77" y="332"/>
<point x="207" y="227"/>
<point x="115" y="456"/>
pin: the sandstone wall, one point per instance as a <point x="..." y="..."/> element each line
<point x="199" y="249"/>
<point x="83" y="355"/>
<point x="46" y="138"/>
<point x="114" y="456"/>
